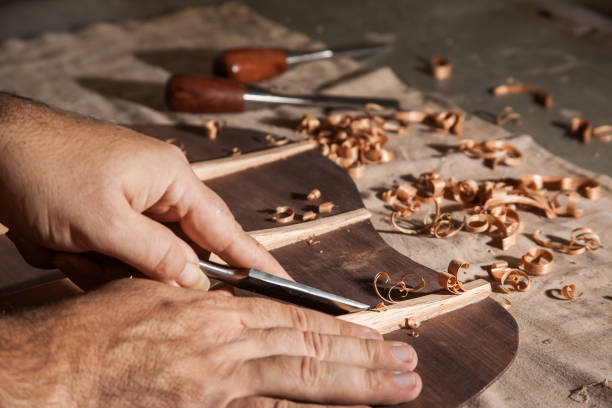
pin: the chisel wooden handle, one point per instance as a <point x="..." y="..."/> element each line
<point x="252" y="64"/>
<point x="190" y="93"/>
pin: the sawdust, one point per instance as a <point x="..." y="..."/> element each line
<point x="597" y="394"/>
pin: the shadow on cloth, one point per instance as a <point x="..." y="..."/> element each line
<point x="150" y="94"/>
<point x="196" y="61"/>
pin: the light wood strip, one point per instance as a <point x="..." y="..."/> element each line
<point x="272" y="238"/>
<point x="421" y="308"/>
<point x="210" y="169"/>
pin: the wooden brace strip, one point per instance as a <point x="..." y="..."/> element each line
<point x="272" y="238"/>
<point x="210" y="169"/>
<point x="419" y="309"/>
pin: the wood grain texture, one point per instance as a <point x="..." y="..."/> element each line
<point x="253" y="64"/>
<point x="460" y="353"/>
<point x="393" y="317"/>
<point x="190" y="93"/>
<point x="210" y="169"/>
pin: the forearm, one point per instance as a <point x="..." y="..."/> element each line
<point x="33" y="370"/>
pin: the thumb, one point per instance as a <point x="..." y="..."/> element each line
<point x="154" y="250"/>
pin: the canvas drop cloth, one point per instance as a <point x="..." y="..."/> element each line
<point x="116" y="72"/>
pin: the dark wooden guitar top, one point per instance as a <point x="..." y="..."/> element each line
<point x="460" y="353"/>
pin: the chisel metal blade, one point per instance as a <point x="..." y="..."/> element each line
<point x="276" y="287"/>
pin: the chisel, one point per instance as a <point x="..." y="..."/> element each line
<point x="196" y="94"/>
<point x="273" y="286"/>
<point x="256" y="64"/>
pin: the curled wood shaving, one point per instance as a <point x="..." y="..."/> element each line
<point x="537" y="261"/>
<point x="277" y="140"/>
<point x="493" y="151"/>
<point x="315" y="194"/>
<point x="534" y="182"/>
<point x="569" y="292"/>
<point x="309" y="215"/>
<point x="441" y="67"/>
<point x="507" y="114"/>
<point x="582" y="129"/>
<point x="449" y="280"/>
<point x="502" y="273"/>
<point x="213" y="127"/>
<point x="540" y="95"/>
<point x="284" y="214"/>
<point x="520" y="280"/>
<point x="581" y="239"/>
<point x="412" y="324"/>
<point x="399" y="286"/>
<point x="326" y="207"/>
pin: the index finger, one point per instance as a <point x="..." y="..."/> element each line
<point x="208" y="221"/>
<point x="257" y="313"/>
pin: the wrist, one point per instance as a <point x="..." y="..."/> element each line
<point x="33" y="365"/>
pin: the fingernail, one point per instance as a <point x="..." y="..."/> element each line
<point x="404" y="380"/>
<point x="193" y="277"/>
<point x="402" y="352"/>
<point x="369" y="334"/>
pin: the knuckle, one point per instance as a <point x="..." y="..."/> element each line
<point x="310" y="371"/>
<point x="281" y="403"/>
<point x="375" y="380"/>
<point x="316" y="345"/>
<point x="373" y="350"/>
<point x="167" y="261"/>
<point x="299" y="317"/>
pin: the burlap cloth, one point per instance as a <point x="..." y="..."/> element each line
<point x="116" y="72"/>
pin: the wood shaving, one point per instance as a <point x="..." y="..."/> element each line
<point x="309" y="215"/>
<point x="412" y="324"/>
<point x="493" y="204"/>
<point x="507" y="114"/>
<point x="213" y="127"/>
<point x="284" y="214"/>
<point x="399" y="286"/>
<point x="583" y="129"/>
<point x="311" y="241"/>
<point x="581" y="240"/>
<point x="520" y="280"/>
<point x="493" y="151"/>
<point x="586" y="186"/>
<point x="449" y="280"/>
<point x="540" y="95"/>
<point x="569" y="292"/>
<point x="276" y="140"/>
<point x="441" y="67"/>
<point x="354" y="141"/>
<point x="326" y="207"/>
<point x="505" y="303"/>
<point x="315" y="194"/>
<point x="537" y="261"/>
<point x="235" y="151"/>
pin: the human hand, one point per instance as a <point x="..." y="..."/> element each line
<point x="74" y="184"/>
<point x="163" y="346"/>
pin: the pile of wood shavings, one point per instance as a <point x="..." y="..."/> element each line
<point x="493" y="204"/>
<point x="354" y="141"/>
<point x="492" y="151"/>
